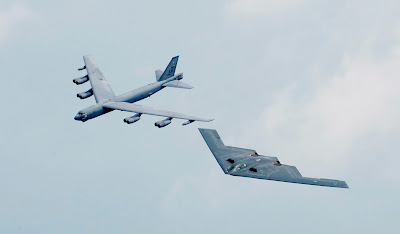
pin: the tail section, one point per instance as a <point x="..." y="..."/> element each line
<point x="170" y="70"/>
<point x="178" y="84"/>
<point x="158" y="75"/>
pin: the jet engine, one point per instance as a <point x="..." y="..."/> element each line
<point x="81" y="80"/>
<point x="163" y="123"/>
<point x="132" y="119"/>
<point x="81" y="68"/>
<point x="86" y="94"/>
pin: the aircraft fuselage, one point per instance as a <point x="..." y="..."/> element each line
<point x="130" y="97"/>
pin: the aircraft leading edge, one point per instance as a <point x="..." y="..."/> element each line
<point x="106" y="101"/>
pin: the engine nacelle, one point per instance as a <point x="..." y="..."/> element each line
<point x="132" y="119"/>
<point x="188" y="122"/>
<point x="81" y="80"/>
<point x="86" y="94"/>
<point x="81" y="68"/>
<point x="163" y="123"/>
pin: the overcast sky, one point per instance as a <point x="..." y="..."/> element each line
<point x="314" y="83"/>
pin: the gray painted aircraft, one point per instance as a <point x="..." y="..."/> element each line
<point x="107" y="101"/>
<point x="247" y="163"/>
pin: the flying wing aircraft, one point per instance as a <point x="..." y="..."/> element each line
<point x="247" y="163"/>
<point x="106" y="100"/>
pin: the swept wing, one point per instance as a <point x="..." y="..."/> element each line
<point x="124" y="106"/>
<point x="246" y="162"/>
<point x="100" y="87"/>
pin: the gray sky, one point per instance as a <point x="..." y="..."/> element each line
<point x="314" y="83"/>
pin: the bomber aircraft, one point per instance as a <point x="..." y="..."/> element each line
<point x="106" y="100"/>
<point x="247" y="163"/>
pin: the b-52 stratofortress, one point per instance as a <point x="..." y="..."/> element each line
<point x="247" y="163"/>
<point x="107" y="101"/>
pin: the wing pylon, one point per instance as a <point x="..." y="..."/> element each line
<point x="124" y="106"/>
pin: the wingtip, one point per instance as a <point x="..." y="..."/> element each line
<point x="206" y="129"/>
<point x="341" y="184"/>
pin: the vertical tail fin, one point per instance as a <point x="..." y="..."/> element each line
<point x="170" y="70"/>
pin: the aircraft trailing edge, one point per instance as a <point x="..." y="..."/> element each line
<point x="107" y="101"/>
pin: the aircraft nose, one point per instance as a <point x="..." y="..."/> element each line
<point x="78" y="117"/>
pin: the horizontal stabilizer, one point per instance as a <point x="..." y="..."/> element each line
<point x="178" y="84"/>
<point x="158" y="75"/>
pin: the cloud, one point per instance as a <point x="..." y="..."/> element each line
<point x="251" y="8"/>
<point x="206" y="185"/>
<point x="145" y="71"/>
<point x="339" y="120"/>
<point x="10" y="18"/>
<point x="172" y="194"/>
